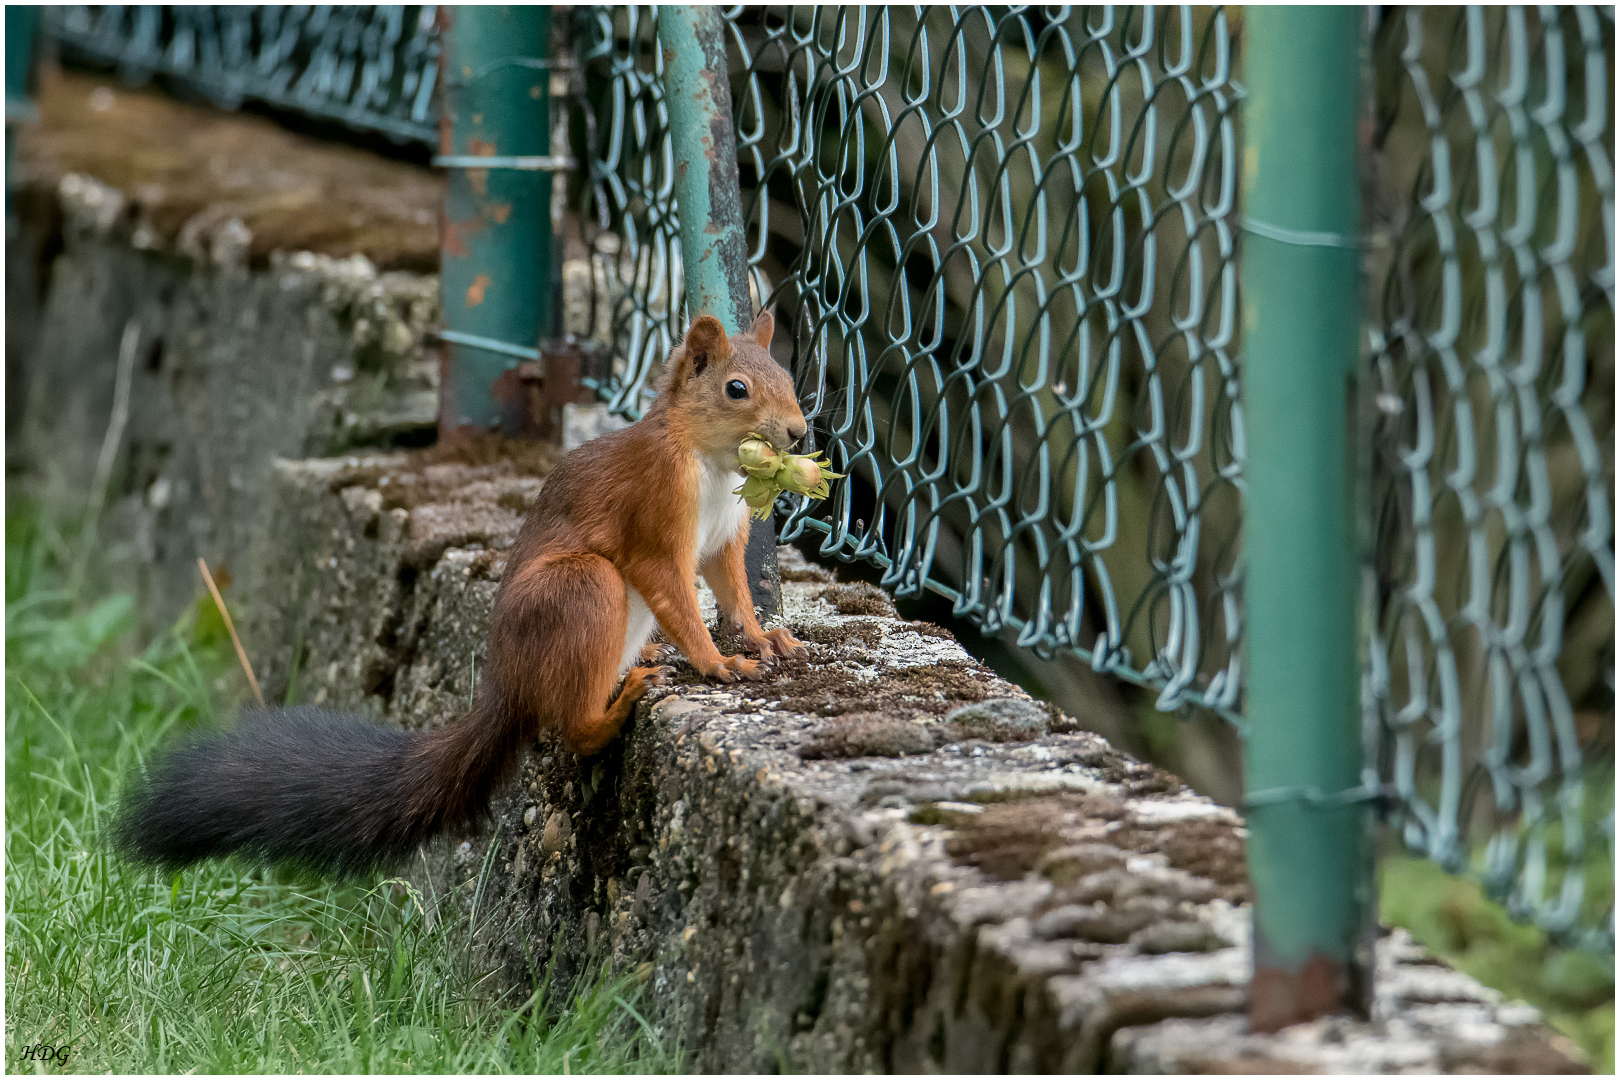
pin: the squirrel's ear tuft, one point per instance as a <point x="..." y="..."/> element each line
<point x="705" y="343"/>
<point x="764" y="326"/>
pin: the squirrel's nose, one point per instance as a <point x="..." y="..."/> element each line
<point x="796" y="430"/>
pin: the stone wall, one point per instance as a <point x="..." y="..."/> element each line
<point x="229" y="368"/>
<point x="884" y="858"/>
<point x="243" y="261"/>
<point x="273" y="291"/>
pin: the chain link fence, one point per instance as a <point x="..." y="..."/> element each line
<point x="1005" y="241"/>
<point x="371" y="68"/>
<point x="1491" y="343"/>
<point x="1005" y="245"/>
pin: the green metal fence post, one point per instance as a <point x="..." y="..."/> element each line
<point x="498" y="267"/>
<point x="22" y="22"/>
<point x="714" y="250"/>
<point x="1309" y="857"/>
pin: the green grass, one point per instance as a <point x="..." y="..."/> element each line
<point x="1451" y="916"/>
<point x="222" y="968"/>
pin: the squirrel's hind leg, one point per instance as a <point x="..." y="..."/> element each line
<point x="558" y="642"/>
<point x="592" y="737"/>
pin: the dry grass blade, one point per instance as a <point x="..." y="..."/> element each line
<point x="116" y="422"/>
<point x="241" y="654"/>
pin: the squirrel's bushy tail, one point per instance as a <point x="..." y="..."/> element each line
<point x="331" y="792"/>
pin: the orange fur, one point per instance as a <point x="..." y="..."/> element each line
<point x="617" y="536"/>
<point x="623" y="511"/>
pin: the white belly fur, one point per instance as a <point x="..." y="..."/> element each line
<point x="721" y="515"/>
<point x="637" y="630"/>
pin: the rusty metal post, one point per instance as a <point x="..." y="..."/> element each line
<point x="498" y="261"/>
<point x="714" y="249"/>
<point x="1310" y="858"/>
<point x="562" y="384"/>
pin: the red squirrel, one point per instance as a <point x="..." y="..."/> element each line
<point x="613" y="545"/>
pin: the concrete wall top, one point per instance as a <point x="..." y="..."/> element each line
<point x="883" y="858"/>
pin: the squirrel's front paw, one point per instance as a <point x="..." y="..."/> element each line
<point x="731" y="668"/>
<point x="776" y="643"/>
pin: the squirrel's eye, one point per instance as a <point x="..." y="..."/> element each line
<point x="736" y="389"/>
